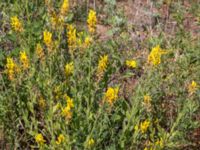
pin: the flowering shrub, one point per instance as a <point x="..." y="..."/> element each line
<point x="64" y="87"/>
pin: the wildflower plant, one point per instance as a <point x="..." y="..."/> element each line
<point x="72" y="40"/>
<point x="40" y="139"/>
<point x="155" y="55"/>
<point x="131" y="64"/>
<point x="24" y="60"/>
<point x="192" y="87"/>
<point x="60" y="139"/>
<point x="65" y="7"/>
<point x="16" y="24"/>
<point x="111" y="95"/>
<point x="102" y="65"/>
<point x="47" y="38"/>
<point x="92" y="21"/>
<point x="10" y="68"/>
<point x="69" y="69"/>
<point x="39" y="51"/>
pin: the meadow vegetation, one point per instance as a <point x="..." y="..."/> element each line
<point x="64" y="85"/>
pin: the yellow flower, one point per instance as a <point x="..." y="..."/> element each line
<point x="24" y="60"/>
<point x="111" y="95"/>
<point x="16" y="24"/>
<point x="47" y="37"/>
<point x="87" y="42"/>
<point x="147" y="99"/>
<point x="192" y="87"/>
<point x="144" y="126"/>
<point x="40" y="139"/>
<point x="65" y="7"/>
<point x="82" y="42"/>
<point x="42" y="103"/>
<point x="71" y="37"/>
<point x="11" y="68"/>
<point x="69" y="69"/>
<point x="39" y="51"/>
<point x="102" y="65"/>
<point x="56" y="21"/>
<point x="66" y="112"/>
<point x="60" y="139"/>
<point x="90" y="142"/>
<point x="131" y="63"/>
<point x="10" y="63"/>
<point x="69" y="101"/>
<point x="92" y="21"/>
<point x="155" y="55"/>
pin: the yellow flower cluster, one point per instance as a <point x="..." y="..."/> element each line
<point x="192" y="87"/>
<point x="87" y="42"/>
<point x="69" y="101"/>
<point x="24" y="60"/>
<point x="40" y="139"/>
<point x="41" y="102"/>
<point x="131" y="63"/>
<point x="69" y="69"/>
<point x="39" y="51"/>
<point x="56" y="21"/>
<point x="47" y="38"/>
<point x="83" y="42"/>
<point x="65" y="7"/>
<point x="60" y="139"/>
<point x="16" y="24"/>
<point x="10" y="68"/>
<point x="155" y="56"/>
<point x="92" y="21"/>
<point x="71" y="37"/>
<point x="111" y="95"/>
<point x="67" y="110"/>
<point x="144" y="126"/>
<point x="90" y="142"/>
<point x="147" y="99"/>
<point x="102" y="64"/>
